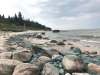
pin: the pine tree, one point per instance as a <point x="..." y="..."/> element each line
<point x="20" y="18"/>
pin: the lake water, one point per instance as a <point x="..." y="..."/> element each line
<point x="83" y="35"/>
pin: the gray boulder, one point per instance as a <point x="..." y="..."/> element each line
<point x="24" y="55"/>
<point x="26" y="69"/>
<point x="49" y="69"/>
<point x="41" y="61"/>
<point x="6" y="55"/>
<point x="72" y="63"/>
<point x="7" y="66"/>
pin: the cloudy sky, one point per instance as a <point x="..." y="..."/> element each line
<point x="57" y="14"/>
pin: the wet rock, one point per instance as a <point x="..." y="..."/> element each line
<point x="77" y="50"/>
<point x="73" y="63"/>
<point x="57" y="57"/>
<point x="56" y="31"/>
<point x="6" y="55"/>
<point x="93" y="52"/>
<point x="61" y="71"/>
<point x="60" y="43"/>
<point x="49" y="69"/>
<point x="7" y="66"/>
<point x="80" y="74"/>
<point x="43" y="33"/>
<point x="64" y="40"/>
<point x="24" y="55"/>
<point x="53" y="41"/>
<point x="26" y="69"/>
<point x="46" y="38"/>
<point x="70" y="44"/>
<point x="39" y="36"/>
<point x="72" y="47"/>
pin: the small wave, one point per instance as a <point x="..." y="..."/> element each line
<point x="91" y="41"/>
<point x="90" y="36"/>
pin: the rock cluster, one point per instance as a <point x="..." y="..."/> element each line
<point x="28" y="59"/>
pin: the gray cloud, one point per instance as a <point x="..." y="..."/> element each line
<point x="71" y="13"/>
<point x="58" y="14"/>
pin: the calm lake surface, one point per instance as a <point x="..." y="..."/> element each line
<point x="83" y="35"/>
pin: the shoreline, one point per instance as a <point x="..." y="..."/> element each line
<point x="30" y="46"/>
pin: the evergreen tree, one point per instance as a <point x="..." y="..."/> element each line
<point x="15" y="18"/>
<point x="0" y="16"/>
<point x="20" y="18"/>
<point x="3" y="16"/>
<point x="9" y="17"/>
<point x="17" y="23"/>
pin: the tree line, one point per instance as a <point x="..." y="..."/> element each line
<point x="18" y="22"/>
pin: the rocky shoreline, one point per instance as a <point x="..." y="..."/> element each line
<point x="34" y="53"/>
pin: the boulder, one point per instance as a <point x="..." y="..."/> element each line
<point x="38" y="50"/>
<point x="24" y="55"/>
<point x="80" y="74"/>
<point x="56" y="31"/>
<point x="53" y="41"/>
<point x="70" y="44"/>
<point x="7" y="66"/>
<point x="60" y="43"/>
<point x="52" y="52"/>
<point x="57" y="57"/>
<point x="49" y="69"/>
<point x="45" y="53"/>
<point x="77" y="50"/>
<point x="26" y="69"/>
<point x="46" y="38"/>
<point x="6" y="55"/>
<point x="73" y="63"/>
<point x="71" y="51"/>
<point x="39" y="36"/>
<point x="42" y="60"/>
<point x="64" y="40"/>
<point x="94" y="67"/>
<point x="43" y="33"/>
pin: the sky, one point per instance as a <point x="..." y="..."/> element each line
<point x="57" y="14"/>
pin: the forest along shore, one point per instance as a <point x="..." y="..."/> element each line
<point x="35" y="53"/>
